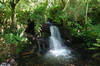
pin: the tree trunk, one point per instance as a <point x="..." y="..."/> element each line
<point x="13" y="5"/>
<point x="66" y="5"/>
<point x="12" y="18"/>
<point x="86" y="17"/>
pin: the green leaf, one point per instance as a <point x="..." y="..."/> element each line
<point x="92" y="48"/>
<point x="97" y="45"/>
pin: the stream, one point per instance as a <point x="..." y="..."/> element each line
<point x="58" y="55"/>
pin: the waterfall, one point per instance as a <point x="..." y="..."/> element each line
<point x="55" y="38"/>
<point x="56" y="43"/>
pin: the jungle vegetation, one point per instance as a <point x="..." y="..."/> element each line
<point x="80" y="17"/>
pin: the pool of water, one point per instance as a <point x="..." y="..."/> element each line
<point x="50" y="60"/>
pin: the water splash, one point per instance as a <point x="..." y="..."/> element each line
<point x="56" y="43"/>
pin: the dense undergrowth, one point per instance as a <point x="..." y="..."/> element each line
<point x="80" y="17"/>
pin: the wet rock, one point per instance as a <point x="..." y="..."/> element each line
<point x="5" y="64"/>
<point x="11" y="62"/>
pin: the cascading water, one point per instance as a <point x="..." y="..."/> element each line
<point x="55" y="38"/>
<point x="56" y="43"/>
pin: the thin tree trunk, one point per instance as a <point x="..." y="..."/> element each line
<point x="86" y="17"/>
<point x="66" y="5"/>
<point x="12" y="18"/>
<point x="13" y="5"/>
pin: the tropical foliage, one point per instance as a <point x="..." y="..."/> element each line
<point x="80" y="17"/>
